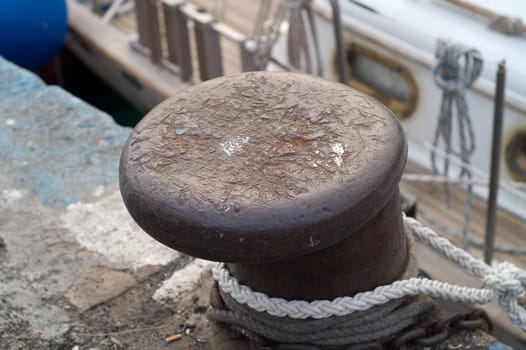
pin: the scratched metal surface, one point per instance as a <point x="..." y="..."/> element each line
<point x="254" y="157"/>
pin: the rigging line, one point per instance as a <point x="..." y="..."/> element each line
<point x="475" y="241"/>
<point x="456" y="70"/>
<point x="458" y="162"/>
<point x="415" y="177"/>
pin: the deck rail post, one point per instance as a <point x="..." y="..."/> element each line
<point x="141" y="14"/>
<point x="177" y="37"/>
<point x="154" y="31"/>
<point x="248" y="49"/>
<point x="148" y="28"/>
<point x="208" y="46"/>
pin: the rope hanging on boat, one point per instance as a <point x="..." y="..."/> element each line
<point x="456" y="70"/>
<point x="504" y="282"/>
<point x="302" y="30"/>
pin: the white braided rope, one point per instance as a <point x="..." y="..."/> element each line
<point x="503" y="283"/>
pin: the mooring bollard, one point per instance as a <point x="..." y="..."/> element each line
<point x="290" y="179"/>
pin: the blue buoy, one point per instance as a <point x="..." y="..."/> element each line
<point x="31" y="31"/>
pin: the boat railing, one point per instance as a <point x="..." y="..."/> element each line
<point x="172" y="32"/>
<point x="164" y="34"/>
<point x="171" y="21"/>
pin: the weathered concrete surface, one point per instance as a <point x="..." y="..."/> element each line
<point x="75" y="270"/>
<point x="185" y="279"/>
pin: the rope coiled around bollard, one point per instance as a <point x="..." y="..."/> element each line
<point x="343" y="332"/>
<point x="504" y="283"/>
<point x="379" y="322"/>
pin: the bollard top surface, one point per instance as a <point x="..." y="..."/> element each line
<point x="261" y="166"/>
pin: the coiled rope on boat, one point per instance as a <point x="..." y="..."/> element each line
<point x="456" y="71"/>
<point x="503" y="282"/>
<point x="458" y="67"/>
<point x="378" y="322"/>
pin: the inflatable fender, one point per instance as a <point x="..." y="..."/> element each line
<point x="32" y="31"/>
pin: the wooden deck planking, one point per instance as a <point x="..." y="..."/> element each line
<point x="510" y="229"/>
<point x="126" y="23"/>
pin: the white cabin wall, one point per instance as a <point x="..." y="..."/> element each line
<point x="422" y="123"/>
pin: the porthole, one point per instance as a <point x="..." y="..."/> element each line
<point x="382" y="78"/>
<point x="516" y="156"/>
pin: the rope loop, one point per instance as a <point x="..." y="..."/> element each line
<point x="505" y="280"/>
<point x="509" y="282"/>
<point x="449" y="74"/>
<point x="457" y="68"/>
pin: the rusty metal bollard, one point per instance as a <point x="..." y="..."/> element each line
<point x="291" y="179"/>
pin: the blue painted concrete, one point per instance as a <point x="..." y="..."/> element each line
<point x="52" y="143"/>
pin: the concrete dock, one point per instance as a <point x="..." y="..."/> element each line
<point x="75" y="271"/>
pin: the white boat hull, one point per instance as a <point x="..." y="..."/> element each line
<point x="386" y="38"/>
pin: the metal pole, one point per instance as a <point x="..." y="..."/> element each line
<point x="248" y="49"/>
<point x="338" y="31"/>
<point x="491" y="217"/>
